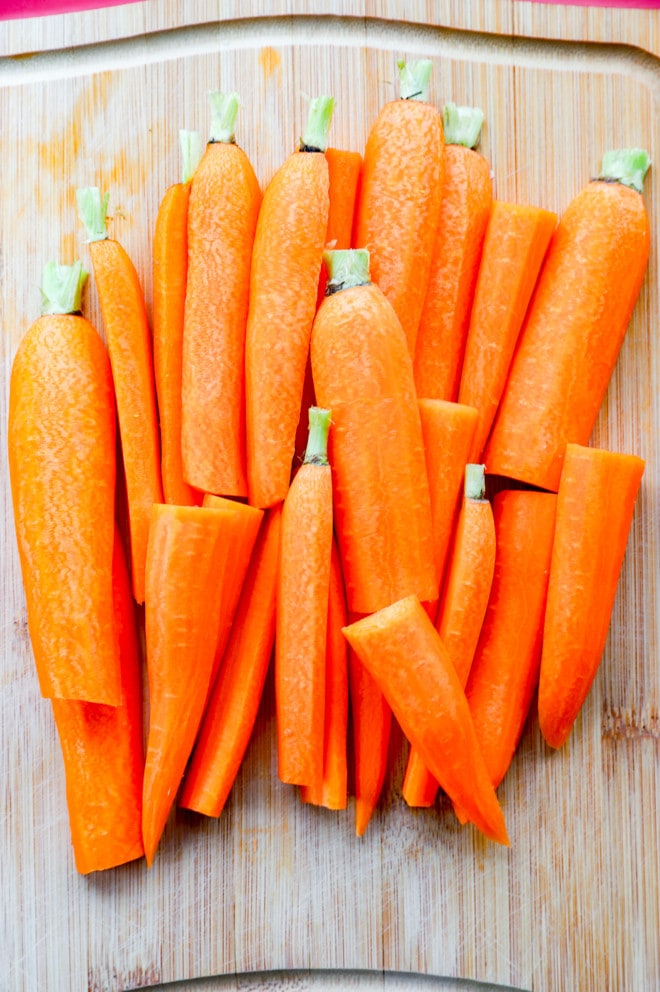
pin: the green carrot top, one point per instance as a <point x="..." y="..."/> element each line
<point x="414" y="79"/>
<point x="462" y="125"/>
<point x="627" y="166"/>
<point x="316" y="452"/>
<point x="475" y="482"/>
<point x="191" y="146"/>
<point x="315" y="137"/>
<point x="224" y="110"/>
<point x="92" y="210"/>
<point x="346" y="267"/>
<point x="61" y="287"/>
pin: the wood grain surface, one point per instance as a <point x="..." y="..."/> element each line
<point x="272" y="884"/>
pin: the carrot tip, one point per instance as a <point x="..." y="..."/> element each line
<point x="363" y="813"/>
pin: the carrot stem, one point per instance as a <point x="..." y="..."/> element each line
<point x="224" y="111"/>
<point x="93" y="210"/>
<point x="192" y="148"/>
<point x="316" y="452"/>
<point x="315" y="135"/>
<point x="627" y="166"/>
<point x="346" y="267"/>
<point x="414" y="78"/>
<point x="462" y="125"/>
<point x="62" y="287"/>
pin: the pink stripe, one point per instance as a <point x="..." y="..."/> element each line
<point x="40" y="8"/>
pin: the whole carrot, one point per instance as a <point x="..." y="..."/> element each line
<point x="224" y="204"/>
<point x="129" y="343"/>
<point x="61" y="451"/>
<point x="595" y="505"/>
<point x="286" y="264"/>
<point x="576" y="323"/>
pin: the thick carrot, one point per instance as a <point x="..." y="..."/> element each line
<point x="401" y="187"/>
<point x="170" y="267"/>
<point x="286" y="264"/>
<point x="103" y="752"/>
<point x="402" y="650"/>
<point x="595" y="504"/>
<point x="517" y="238"/>
<point x="129" y="343"/>
<point x="363" y="372"/>
<point x="232" y="709"/>
<point x="302" y="611"/>
<point x="183" y="590"/>
<point x="222" y="217"/>
<point x="576" y="323"/>
<point x="61" y="450"/>
<point x="464" y="212"/>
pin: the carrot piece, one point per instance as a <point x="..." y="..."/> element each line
<point x="464" y="212"/>
<point x="286" y="264"/>
<point x="61" y="449"/>
<point x="402" y="650"/>
<point x="183" y="586"/>
<point x="170" y="267"/>
<point x="302" y="611"/>
<point x="129" y="343"/>
<point x="331" y="790"/>
<point x="576" y="323"/>
<point x="363" y="372"/>
<point x="398" y="208"/>
<point x="224" y="204"/>
<point x="232" y="708"/>
<point x="595" y="505"/>
<point x="517" y="238"/>
<point x="103" y="753"/>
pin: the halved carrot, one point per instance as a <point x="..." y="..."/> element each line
<point x="576" y="324"/>
<point x="129" y="343"/>
<point x="222" y="217"/>
<point x="61" y="452"/>
<point x="466" y="204"/>
<point x="595" y="505"/>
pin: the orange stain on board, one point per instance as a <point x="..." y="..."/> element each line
<point x="270" y="61"/>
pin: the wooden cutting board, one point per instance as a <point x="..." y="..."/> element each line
<point x="574" y="904"/>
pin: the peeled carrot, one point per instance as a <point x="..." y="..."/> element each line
<point x="363" y="372"/>
<point x="398" y="208"/>
<point x="402" y="650"/>
<point x="517" y="238"/>
<point x="286" y="264"/>
<point x="61" y="451"/>
<point x="103" y="752"/>
<point x="577" y="320"/>
<point x="170" y="267"/>
<point x="466" y="204"/>
<point x="232" y="709"/>
<point x="595" y="505"/>
<point x="302" y="611"/>
<point x="224" y="204"/>
<point x="129" y="343"/>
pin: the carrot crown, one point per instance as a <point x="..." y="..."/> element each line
<point x="475" y="482"/>
<point x="224" y="110"/>
<point x="190" y="143"/>
<point x="414" y="79"/>
<point x="316" y="452"/>
<point x="92" y="210"/>
<point x="315" y="137"/>
<point x="346" y="267"/>
<point x="61" y="287"/>
<point x="462" y="125"/>
<point x="627" y="166"/>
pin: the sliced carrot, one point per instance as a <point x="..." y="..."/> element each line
<point x="595" y="505"/>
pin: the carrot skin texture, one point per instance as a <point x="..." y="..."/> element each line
<point x="61" y="452"/>
<point x="595" y="505"/>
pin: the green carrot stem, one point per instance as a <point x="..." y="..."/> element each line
<point x="224" y="110"/>
<point x="475" y="482"/>
<point x="61" y="287"/>
<point x="315" y="137"/>
<point x="92" y="210"/>
<point x="316" y="452"/>
<point x="414" y="79"/>
<point x="627" y="166"/>
<point x="462" y="125"/>
<point x="346" y="267"/>
<point x="191" y="146"/>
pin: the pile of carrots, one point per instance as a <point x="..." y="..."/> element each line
<point x="354" y="440"/>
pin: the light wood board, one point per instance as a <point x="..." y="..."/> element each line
<point x="274" y="885"/>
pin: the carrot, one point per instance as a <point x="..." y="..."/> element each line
<point x="462" y="607"/>
<point x="224" y="204"/>
<point x="286" y="264"/>
<point x="517" y="238"/>
<point x="129" y="344"/>
<point x="402" y="650"/>
<point x="61" y="451"/>
<point x="595" y="505"/>
<point x="170" y="266"/>
<point x="363" y="372"/>
<point x="464" y="212"/>
<point x="103" y="753"/>
<point x="232" y="709"/>
<point x="576" y="323"/>
<point x="398" y="208"/>
<point x="302" y="611"/>
<point x="183" y="589"/>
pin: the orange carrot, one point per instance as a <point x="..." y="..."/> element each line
<point x="129" y="344"/>
<point x="401" y="187"/>
<point x="232" y="709"/>
<point x="575" y="326"/>
<point x="464" y="213"/>
<point x="517" y="238"/>
<point x="595" y="504"/>
<point x="103" y="753"/>
<point x="222" y="217"/>
<point x="170" y="266"/>
<point x="302" y="611"/>
<point x="286" y="264"/>
<point x="402" y="649"/>
<point x="61" y="449"/>
<point x="362" y="371"/>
